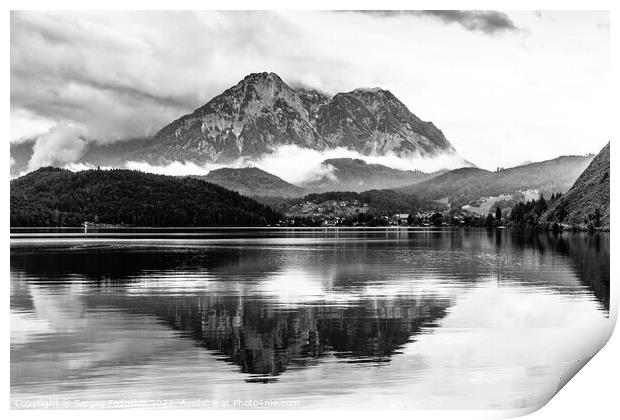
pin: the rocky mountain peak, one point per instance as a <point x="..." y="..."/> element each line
<point x="257" y="93"/>
<point x="375" y="91"/>
<point x="312" y="99"/>
<point x="263" y="76"/>
<point x="266" y="85"/>
<point x="262" y="112"/>
<point x="377" y="98"/>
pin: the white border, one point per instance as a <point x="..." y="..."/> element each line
<point x="592" y="393"/>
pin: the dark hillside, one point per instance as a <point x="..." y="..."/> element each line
<point x="252" y="182"/>
<point x="58" y="197"/>
<point x="587" y="202"/>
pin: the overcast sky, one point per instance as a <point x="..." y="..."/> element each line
<point x="504" y="87"/>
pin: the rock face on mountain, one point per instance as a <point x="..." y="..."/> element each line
<point x="587" y="202"/>
<point x="312" y="100"/>
<point x="253" y="182"/>
<point x="262" y="112"/>
<point x="374" y="121"/>
<point x="249" y="119"/>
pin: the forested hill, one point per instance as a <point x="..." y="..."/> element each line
<point x="252" y="182"/>
<point x="587" y="202"/>
<point x="346" y="174"/>
<point x="464" y="184"/>
<point x="58" y="197"/>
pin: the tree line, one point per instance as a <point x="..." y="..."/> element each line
<point x="57" y="197"/>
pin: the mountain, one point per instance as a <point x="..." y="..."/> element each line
<point x="252" y="182"/>
<point x="262" y="112"/>
<point x="465" y="184"/>
<point x="588" y="199"/>
<point x="346" y="174"/>
<point x="374" y="121"/>
<point x="312" y="100"/>
<point x="57" y="197"/>
<point x="251" y="118"/>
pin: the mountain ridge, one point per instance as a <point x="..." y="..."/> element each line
<point x="464" y="184"/>
<point x="357" y="175"/>
<point x="262" y="112"/>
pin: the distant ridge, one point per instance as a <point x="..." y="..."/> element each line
<point x="343" y="174"/>
<point x="346" y="174"/>
<point x="253" y="182"/>
<point x="464" y="184"/>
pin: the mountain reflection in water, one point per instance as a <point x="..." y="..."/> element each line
<point x="271" y="303"/>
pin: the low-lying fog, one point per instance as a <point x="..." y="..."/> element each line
<point x="297" y="165"/>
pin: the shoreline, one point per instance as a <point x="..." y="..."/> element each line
<point x="537" y="228"/>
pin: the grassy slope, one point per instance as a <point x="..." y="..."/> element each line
<point x="589" y="193"/>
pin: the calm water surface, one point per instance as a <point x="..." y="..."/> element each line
<point x="323" y="318"/>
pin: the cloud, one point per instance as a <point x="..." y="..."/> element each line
<point x="299" y="166"/>
<point x="488" y="22"/>
<point x="26" y="125"/>
<point x="175" y="168"/>
<point x="126" y="74"/>
<point x="121" y="75"/>
<point x="62" y="144"/>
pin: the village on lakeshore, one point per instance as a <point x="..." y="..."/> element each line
<point x="484" y="212"/>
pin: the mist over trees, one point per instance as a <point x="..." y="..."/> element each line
<point x="466" y="184"/>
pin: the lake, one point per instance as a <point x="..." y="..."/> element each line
<point x="303" y="318"/>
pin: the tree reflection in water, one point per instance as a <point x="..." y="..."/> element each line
<point x="368" y="302"/>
